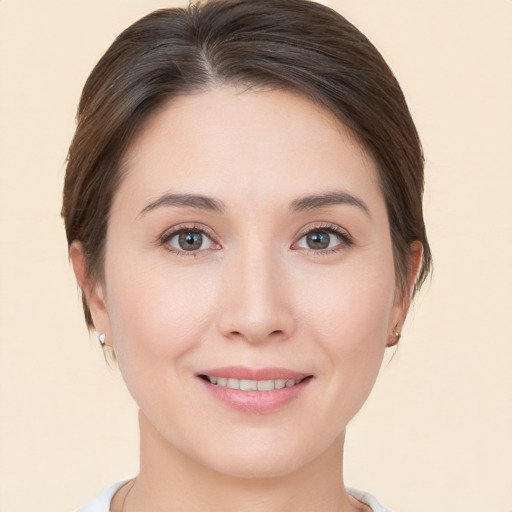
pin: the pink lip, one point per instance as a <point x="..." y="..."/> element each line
<point x="255" y="402"/>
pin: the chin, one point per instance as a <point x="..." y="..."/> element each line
<point x="262" y="468"/>
<point x="258" y="459"/>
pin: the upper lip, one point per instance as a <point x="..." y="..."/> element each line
<point x="242" y="372"/>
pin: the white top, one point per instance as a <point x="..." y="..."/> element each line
<point x="102" y="502"/>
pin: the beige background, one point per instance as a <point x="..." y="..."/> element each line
<point x="436" y="434"/>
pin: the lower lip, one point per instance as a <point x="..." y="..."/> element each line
<point x="256" y="402"/>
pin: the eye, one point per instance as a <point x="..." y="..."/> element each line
<point x="328" y="238"/>
<point x="188" y="240"/>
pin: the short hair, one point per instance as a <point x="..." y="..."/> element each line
<point x="295" y="45"/>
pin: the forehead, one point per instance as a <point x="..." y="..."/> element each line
<point x="246" y="144"/>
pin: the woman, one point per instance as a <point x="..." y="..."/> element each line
<point x="243" y="210"/>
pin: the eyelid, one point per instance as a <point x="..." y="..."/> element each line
<point x="346" y="239"/>
<point x="171" y="232"/>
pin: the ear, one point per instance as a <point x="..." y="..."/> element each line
<point x="403" y="302"/>
<point x="92" y="290"/>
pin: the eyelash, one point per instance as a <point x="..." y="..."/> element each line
<point x="345" y="240"/>
<point x="176" y="230"/>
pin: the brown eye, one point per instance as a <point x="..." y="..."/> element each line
<point x="324" y="239"/>
<point x="188" y="240"/>
<point x="318" y="240"/>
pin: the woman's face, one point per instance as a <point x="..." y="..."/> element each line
<point x="248" y="241"/>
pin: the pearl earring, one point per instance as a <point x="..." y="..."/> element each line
<point x="101" y="337"/>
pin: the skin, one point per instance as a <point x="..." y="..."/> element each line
<point x="255" y="294"/>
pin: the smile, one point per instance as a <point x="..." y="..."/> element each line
<point x="252" y="385"/>
<point x="254" y="391"/>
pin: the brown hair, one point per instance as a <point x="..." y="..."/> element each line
<point x="287" y="44"/>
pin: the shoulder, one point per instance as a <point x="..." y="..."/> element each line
<point x="367" y="499"/>
<point x="102" y="502"/>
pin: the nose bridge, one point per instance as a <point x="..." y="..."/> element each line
<point x="256" y="306"/>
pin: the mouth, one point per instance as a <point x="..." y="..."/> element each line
<point x="255" y="391"/>
<point x="253" y="384"/>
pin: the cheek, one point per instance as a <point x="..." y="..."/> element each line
<point x="352" y="305"/>
<point x="348" y="313"/>
<point x="156" y="316"/>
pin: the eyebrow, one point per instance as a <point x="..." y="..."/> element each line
<point x="301" y="204"/>
<point x="185" y="200"/>
<point x="314" y="201"/>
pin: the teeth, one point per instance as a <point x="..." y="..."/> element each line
<point x="266" y="385"/>
<point x="233" y="384"/>
<point x="253" y="385"/>
<point x="246" y="384"/>
<point x="280" y="383"/>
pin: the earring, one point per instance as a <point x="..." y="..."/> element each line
<point x="397" y="334"/>
<point x="101" y="337"/>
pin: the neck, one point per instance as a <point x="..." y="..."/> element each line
<point x="169" y="481"/>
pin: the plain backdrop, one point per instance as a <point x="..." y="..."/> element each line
<point x="436" y="434"/>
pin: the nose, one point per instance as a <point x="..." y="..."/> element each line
<point x="256" y="306"/>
